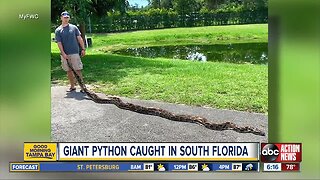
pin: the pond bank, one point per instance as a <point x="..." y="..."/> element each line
<point x="254" y="53"/>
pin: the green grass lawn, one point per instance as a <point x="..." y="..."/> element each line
<point x="214" y="84"/>
<point x="179" y="36"/>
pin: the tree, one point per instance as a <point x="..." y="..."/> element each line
<point x="213" y="4"/>
<point x="185" y="6"/>
<point x="154" y="3"/>
<point x="57" y="6"/>
<point x="166" y="4"/>
<point x="101" y="7"/>
<point x="81" y="9"/>
<point x="253" y="4"/>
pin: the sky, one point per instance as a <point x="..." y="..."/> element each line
<point x="139" y="2"/>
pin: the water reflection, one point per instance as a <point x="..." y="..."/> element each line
<point x="255" y="53"/>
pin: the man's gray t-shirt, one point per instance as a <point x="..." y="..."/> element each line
<point x="68" y="37"/>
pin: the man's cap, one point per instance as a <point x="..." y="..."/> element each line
<point x="65" y="14"/>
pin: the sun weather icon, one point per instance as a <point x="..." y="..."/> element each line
<point x="205" y="167"/>
<point x="161" y="167"/>
<point x="248" y="167"/>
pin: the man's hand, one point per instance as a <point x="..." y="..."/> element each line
<point x="65" y="56"/>
<point x="83" y="52"/>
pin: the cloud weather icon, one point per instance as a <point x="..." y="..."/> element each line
<point x="161" y="168"/>
<point x="249" y="167"/>
<point x="205" y="167"/>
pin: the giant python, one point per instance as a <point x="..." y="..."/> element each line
<point x="164" y="113"/>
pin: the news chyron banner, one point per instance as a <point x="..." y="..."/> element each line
<point x="158" y="151"/>
<point x="281" y="156"/>
<point x="124" y="157"/>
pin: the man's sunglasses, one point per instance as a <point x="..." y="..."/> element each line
<point x="64" y="14"/>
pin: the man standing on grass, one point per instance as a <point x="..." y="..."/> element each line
<point x="68" y="38"/>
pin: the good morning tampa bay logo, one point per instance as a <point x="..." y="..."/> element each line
<point x="40" y="151"/>
<point x="269" y="152"/>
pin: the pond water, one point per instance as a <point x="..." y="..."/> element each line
<point x="255" y="53"/>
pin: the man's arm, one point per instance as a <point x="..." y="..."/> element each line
<point x="80" y="40"/>
<point x="58" y="39"/>
<point x="64" y="55"/>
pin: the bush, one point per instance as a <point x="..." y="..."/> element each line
<point x="157" y="18"/>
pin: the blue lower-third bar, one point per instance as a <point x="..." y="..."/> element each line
<point x="75" y="167"/>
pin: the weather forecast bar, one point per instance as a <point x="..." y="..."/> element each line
<point x="132" y="166"/>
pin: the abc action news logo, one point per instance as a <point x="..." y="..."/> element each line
<point x="281" y="152"/>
